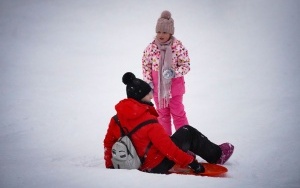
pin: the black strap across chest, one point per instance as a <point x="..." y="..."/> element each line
<point x="149" y="121"/>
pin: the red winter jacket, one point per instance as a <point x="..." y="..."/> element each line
<point x="131" y="113"/>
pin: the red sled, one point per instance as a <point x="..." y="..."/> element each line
<point x="212" y="170"/>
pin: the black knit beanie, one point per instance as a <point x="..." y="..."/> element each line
<point x="135" y="88"/>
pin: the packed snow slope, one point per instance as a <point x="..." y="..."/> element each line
<point x="61" y="64"/>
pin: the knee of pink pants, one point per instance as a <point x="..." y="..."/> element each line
<point x="177" y="111"/>
<point x="164" y="119"/>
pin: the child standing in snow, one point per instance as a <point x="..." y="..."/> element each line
<point x="165" y="151"/>
<point x="165" y="62"/>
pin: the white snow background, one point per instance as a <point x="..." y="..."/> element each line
<point x="60" y="76"/>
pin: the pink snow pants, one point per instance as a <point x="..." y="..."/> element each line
<point x="175" y="110"/>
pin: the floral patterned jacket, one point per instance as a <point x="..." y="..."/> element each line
<point x="180" y="64"/>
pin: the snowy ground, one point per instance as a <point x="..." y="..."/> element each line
<point x="61" y="64"/>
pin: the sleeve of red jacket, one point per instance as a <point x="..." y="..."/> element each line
<point x="166" y="146"/>
<point x="112" y="135"/>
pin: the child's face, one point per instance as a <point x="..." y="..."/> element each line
<point x="148" y="97"/>
<point x="163" y="37"/>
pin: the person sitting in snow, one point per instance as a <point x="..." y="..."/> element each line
<point x="166" y="151"/>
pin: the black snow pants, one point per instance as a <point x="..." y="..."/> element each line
<point x="188" y="138"/>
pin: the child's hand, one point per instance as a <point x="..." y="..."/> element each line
<point x="151" y="85"/>
<point x="168" y="74"/>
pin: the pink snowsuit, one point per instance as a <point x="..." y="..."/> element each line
<point x="181" y="66"/>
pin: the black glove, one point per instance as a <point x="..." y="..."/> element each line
<point x="197" y="167"/>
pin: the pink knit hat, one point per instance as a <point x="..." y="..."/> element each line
<point x="165" y="23"/>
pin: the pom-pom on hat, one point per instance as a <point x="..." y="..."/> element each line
<point x="165" y="23"/>
<point x="135" y="88"/>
